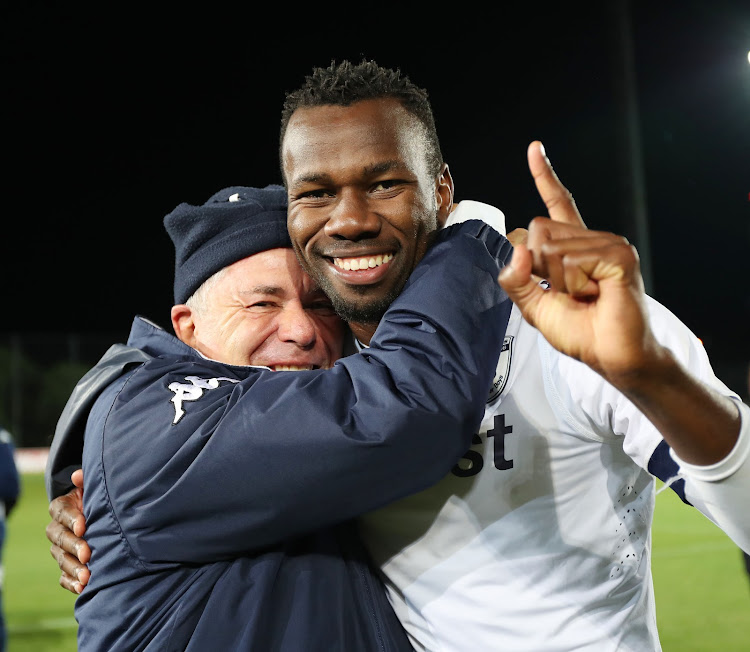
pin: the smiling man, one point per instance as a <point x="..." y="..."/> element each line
<point x="375" y="152"/>
<point x="539" y="538"/>
<point x="279" y="319"/>
<point x="177" y="430"/>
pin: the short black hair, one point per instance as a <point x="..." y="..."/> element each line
<point x="344" y="84"/>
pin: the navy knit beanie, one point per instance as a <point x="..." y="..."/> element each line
<point x="233" y="224"/>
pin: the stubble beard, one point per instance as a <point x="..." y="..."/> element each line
<point x="365" y="310"/>
<point x="362" y="311"/>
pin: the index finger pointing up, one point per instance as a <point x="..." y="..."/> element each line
<point x="556" y="197"/>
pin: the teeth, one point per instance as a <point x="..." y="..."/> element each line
<point x="362" y="263"/>
<point x="292" y="367"/>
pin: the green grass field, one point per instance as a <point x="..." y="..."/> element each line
<point x="703" y="594"/>
<point x="38" y="613"/>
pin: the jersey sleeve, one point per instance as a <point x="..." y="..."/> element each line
<point x="255" y="457"/>
<point x="595" y="409"/>
<point x="721" y="490"/>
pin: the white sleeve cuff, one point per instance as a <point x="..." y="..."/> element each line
<point x="731" y="464"/>
<point x="721" y="490"/>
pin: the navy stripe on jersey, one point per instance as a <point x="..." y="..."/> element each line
<point x="665" y="468"/>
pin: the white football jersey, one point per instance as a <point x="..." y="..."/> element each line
<point x="540" y="538"/>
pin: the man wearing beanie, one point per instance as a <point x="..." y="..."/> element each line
<point x="539" y="539"/>
<point x="214" y="515"/>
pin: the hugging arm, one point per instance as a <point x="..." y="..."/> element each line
<point x="288" y="453"/>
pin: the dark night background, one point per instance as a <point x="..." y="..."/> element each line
<point x="114" y="118"/>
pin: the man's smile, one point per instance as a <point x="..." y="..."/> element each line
<point x="361" y="270"/>
<point x="292" y="367"/>
<point x="364" y="262"/>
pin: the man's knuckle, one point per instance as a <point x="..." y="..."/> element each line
<point x="56" y="535"/>
<point x="624" y="248"/>
<point x="634" y="256"/>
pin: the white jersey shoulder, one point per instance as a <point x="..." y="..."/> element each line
<point x="474" y="210"/>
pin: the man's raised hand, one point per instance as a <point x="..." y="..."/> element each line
<point x="594" y="307"/>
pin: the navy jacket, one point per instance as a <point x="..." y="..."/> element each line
<point x="10" y="482"/>
<point x="217" y="496"/>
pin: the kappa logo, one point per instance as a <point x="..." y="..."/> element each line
<point x="503" y="369"/>
<point x="192" y="391"/>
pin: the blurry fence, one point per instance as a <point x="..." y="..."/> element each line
<point x="37" y="373"/>
<point x="39" y="370"/>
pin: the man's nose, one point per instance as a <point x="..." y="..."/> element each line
<point x="351" y="218"/>
<point x="297" y="326"/>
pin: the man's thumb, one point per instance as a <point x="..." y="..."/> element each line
<point x="516" y="278"/>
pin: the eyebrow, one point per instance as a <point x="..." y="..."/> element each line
<point x="312" y="177"/>
<point x="369" y="170"/>
<point x="263" y="289"/>
<point x="383" y="166"/>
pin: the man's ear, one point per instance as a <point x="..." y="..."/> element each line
<point x="183" y="323"/>
<point x="444" y="195"/>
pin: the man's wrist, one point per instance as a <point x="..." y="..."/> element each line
<point x="654" y="372"/>
<point x="698" y="423"/>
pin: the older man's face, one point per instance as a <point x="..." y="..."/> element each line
<point x="265" y="310"/>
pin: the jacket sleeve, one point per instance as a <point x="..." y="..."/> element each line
<point x="67" y="444"/>
<point x="256" y="457"/>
